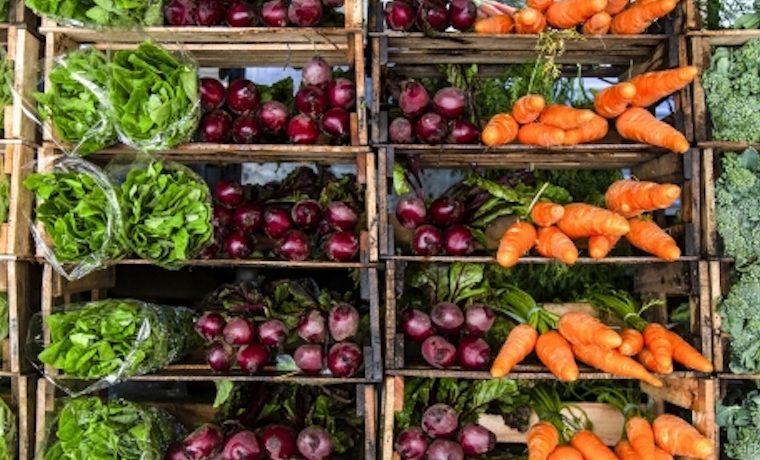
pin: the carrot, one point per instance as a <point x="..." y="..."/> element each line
<point x="557" y="355"/>
<point x="565" y="453"/>
<point x="598" y="24"/>
<point x="565" y="117"/>
<point x="630" y="198"/>
<point x="540" y="5"/>
<point x="624" y="451"/>
<point x="647" y="236"/>
<point x="519" y="344"/>
<point x="615" y="6"/>
<point x="612" y="101"/>
<point x="646" y="357"/>
<point x="660" y="454"/>
<point x="638" y="17"/>
<point x="653" y="86"/>
<point x="529" y="21"/>
<point x="638" y="125"/>
<point x="687" y="355"/>
<point x="516" y="241"/>
<point x="528" y="108"/>
<point x="633" y="342"/>
<point x="591" y="447"/>
<point x="656" y="340"/>
<point x="566" y="14"/>
<point x="613" y="362"/>
<point x="582" y="328"/>
<point x="501" y="129"/>
<point x="640" y="436"/>
<point x="542" y="440"/>
<point x="582" y="220"/>
<point x="553" y="243"/>
<point x="495" y="25"/>
<point x="587" y="132"/>
<point x="676" y="437"/>
<point x="540" y="134"/>
<point x="601" y="245"/>
<point x="546" y="213"/>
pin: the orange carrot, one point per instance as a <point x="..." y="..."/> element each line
<point x="540" y="5"/>
<point x="601" y="245"/>
<point x="554" y="244"/>
<point x="676" y="437"/>
<point x="656" y="340"/>
<point x="653" y="86"/>
<point x="583" y="220"/>
<point x="495" y="25"/>
<point x="557" y="355"/>
<point x="516" y="241"/>
<point x="633" y="342"/>
<point x="647" y="236"/>
<point x="640" y="436"/>
<point x="581" y="328"/>
<point x="638" y="17"/>
<point x="591" y="447"/>
<point x="612" y="101"/>
<point x="501" y="129"/>
<point x="629" y="198"/>
<point x="624" y="451"/>
<point x="546" y="213"/>
<point x="540" y="134"/>
<point x="528" y="108"/>
<point x="613" y="362"/>
<point x="566" y="14"/>
<point x="519" y="344"/>
<point x="542" y="440"/>
<point x="587" y="132"/>
<point x="660" y="454"/>
<point x="598" y="24"/>
<point x="565" y="117"/>
<point x="646" y="357"/>
<point x="529" y="21"/>
<point x="636" y="124"/>
<point x="687" y="355"/>
<point x="615" y="6"/>
<point x="565" y="453"/>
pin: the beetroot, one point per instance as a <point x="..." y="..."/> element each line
<point x="306" y="214"/>
<point x="431" y="128"/>
<point x="243" y="96"/>
<point x="462" y="14"/>
<point x="449" y="102"/>
<point x="399" y="15"/>
<point x="180" y="13"/>
<point x="221" y="218"/>
<point x="311" y="100"/>
<point x="432" y="16"/>
<point x="443" y="449"/>
<point x="458" y="240"/>
<point x="273" y="116"/>
<point x="274" y="13"/>
<point x="440" y="421"/>
<point x="411" y="444"/>
<point x="252" y="358"/>
<point x="311" y="327"/>
<point x="427" y="241"/>
<point x="343" y="322"/>
<point x="305" y="13"/>
<point x="416" y="325"/>
<point x="314" y="443"/>
<point x="463" y="132"/>
<point x="341" y="247"/>
<point x="316" y="72"/>
<point x="446" y="211"/>
<point x="411" y="211"/>
<point x="246" y="129"/>
<point x="478" y="319"/>
<point x="336" y="122"/>
<point x="238" y="245"/>
<point x="344" y="359"/>
<point x="215" y="126"/>
<point x="278" y="442"/>
<point x="476" y="440"/>
<point x="342" y="93"/>
<point x="293" y="245"/>
<point x="341" y="216"/>
<point x="413" y="99"/>
<point x="400" y="131"/>
<point x="210" y="325"/>
<point x="242" y="446"/>
<point x="212" y="93"/>
<point x="228" y="193"/>
<point x="302" y="129"/>
<point x="219" y="356"/>
<point x="175" y="452"/>
<point x="239" y="331"/>
<point x="439" y="352"/>
<point x="209" y="13"/>
<point x="206" y="441"/>
<point x="277" y="222"/>
<point x="474" y="353"/>
<point x="241" y="14"/>
<point x="447" y="317"/>
<point x="273" y="332"/>
<point x="248" y="218"/>
<point x="309" y="358"/>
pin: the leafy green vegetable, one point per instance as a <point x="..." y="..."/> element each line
<point x="90" y="429"/>
<point x="741" y="320"/>
<point x="584" y="185"/>
<point x="454" y="283"/>
<point x="154" y="97"/>
<point x="78" y="215"/>
<point x="4" y="10"/>
<point x="6" y="74"/>
<point x="732" y="92"/>
<point x="111" y="13"/>
<point x="73" y="105"/>
<point x="8" y="432"/>
<point x="736" y="212"/>
<point x="721" y="14"/>
<point x="167" y="213"/>
<point x="3" y="317"/>
<point x="117" y="338"/>
<point x="5" y="197"/>
<point x="223" y="391"/>
<point x="742" y="425"/>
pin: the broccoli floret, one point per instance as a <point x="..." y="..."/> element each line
<point x="736" y="212"/>
<point x="741" y="320"/>
<point x="742" y="425"/>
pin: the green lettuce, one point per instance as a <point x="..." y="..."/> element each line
<point x="8" y="432"/>
<point x="6" y="78"/>
<point x="112" y="13"/>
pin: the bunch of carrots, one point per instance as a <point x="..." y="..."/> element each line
<point x="559" y="225"/>
<point x="594" y="17"/>
<point x="532" y="122"/>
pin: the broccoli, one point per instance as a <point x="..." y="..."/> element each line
<point x="741" y="320"/>
<point x="732" y="92"/>
<point x="742" y="425"/>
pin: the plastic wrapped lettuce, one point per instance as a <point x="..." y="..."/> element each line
<point x="105" y="13"/>
<point x="8" y="432"/>
<point x="74" y="102"/>
<point x="154" y="96"/>
<point x="92" y="429"/>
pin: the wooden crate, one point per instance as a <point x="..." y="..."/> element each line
<point x="20" y="15"/>
<point x="674" y="284"/>
<point x="691" y="394"/>
<point x="21" y="399"/>
<point x="189" y="287"/>
<point x="15" y="284"/>
<point x="192" y="405"/>
<point x="22" y="47"/>
<point x="16" y="165"/>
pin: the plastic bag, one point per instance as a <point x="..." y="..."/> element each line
<point x="101" y="13"/>
<point x="79" y="209"/>
<point x="111" y="340"/>
<point x="8" y="432"/>
<point x="92" y="429"/>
